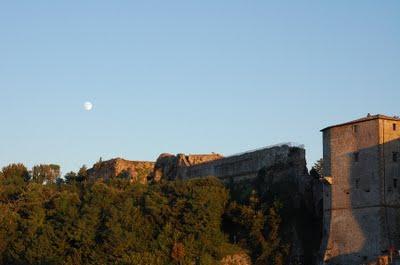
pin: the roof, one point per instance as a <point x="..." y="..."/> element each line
<point x="367" y="118"/>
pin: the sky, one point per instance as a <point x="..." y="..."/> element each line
<point x="188" y="76"/>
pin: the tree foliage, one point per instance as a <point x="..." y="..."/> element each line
<point x="317" y="170"/>
<point x="111" y="222"/>
<point x="74" y="220"/>
<point x="45" y="173"/>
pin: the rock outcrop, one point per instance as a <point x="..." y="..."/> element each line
<point x="165" y="167"/>
<point x="135" y="171"/>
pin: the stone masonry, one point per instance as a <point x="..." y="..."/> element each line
<point x="361" y="191"/>
<point x="236" y="167"/>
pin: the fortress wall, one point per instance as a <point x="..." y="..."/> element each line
<point x="247" y="165"/>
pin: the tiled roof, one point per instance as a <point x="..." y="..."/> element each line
<point x="367" y="118"/>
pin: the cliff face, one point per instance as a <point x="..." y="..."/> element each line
<point x="285" y="179"/>
<point x="298" y="193"/>
<point x="136" y="171"/>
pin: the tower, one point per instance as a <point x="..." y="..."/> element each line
<point x="362" y="189"/>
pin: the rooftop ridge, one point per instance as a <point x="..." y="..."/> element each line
<point x="369" y="117"/>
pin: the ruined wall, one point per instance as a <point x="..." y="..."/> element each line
<point x="137" y="171"/>
<point x="242" y="166"/>
<point x="237" y="167"/>
<point x="247" y="165"/>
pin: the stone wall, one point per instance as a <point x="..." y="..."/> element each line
<point x="247" y="165"/>
<point x="237" y="167"/>
<point x="390" y="172"/>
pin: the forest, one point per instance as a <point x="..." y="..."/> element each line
<point x="46" y="219"/>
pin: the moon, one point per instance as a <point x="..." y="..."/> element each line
<point x="88" y="106"/>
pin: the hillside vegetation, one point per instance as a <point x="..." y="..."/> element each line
<point x="197" y="221"/>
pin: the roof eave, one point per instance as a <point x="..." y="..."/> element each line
<point x="375" y="117"/>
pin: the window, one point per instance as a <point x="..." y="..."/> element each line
<point x="355" y="128"/>
<point x="395" y="183"/>
<point x="355" y="156"/>
<point x="395" y="156"/>
<point x="394" y="126"/>
<point x="357" y="183"/>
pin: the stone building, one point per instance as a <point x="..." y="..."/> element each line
<point x="362" y="190"/>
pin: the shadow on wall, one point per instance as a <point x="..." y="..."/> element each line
<point x="361" y="206"/>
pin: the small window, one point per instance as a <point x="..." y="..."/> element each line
<point x="395" y="156"/>
<point x="357" y="183"/>
<point x="356" y="156"/>
<point x="394" y="126"/>
<point x="355" y="128"/>
<point x="395" y="183"/>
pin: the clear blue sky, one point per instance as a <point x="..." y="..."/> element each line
<point x="188" y="76"/>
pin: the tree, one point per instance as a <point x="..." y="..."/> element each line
<point x="60" y="181"/>
<point x="71" y="177"/>
<point x="178" y="252"/>
<point x="254" y="201"/>
<point x="18" y="171"/>
<point x="13" y="182"/>
<point x="102" y="222"/>
<point x="44" y="174"/>
<point x="83" y="174"/>
<point x="317" y="170"/>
